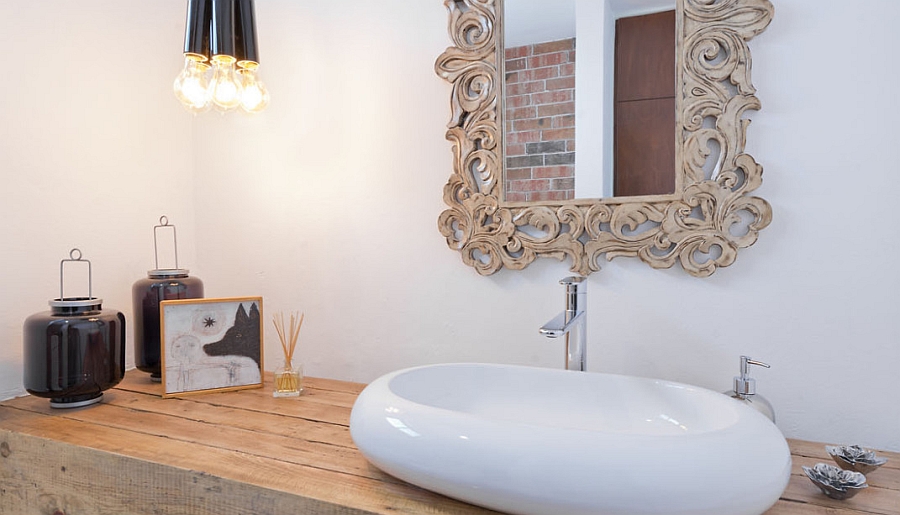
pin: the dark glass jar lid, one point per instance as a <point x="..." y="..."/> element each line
<point x="76" y="302"/>
<point x="163" y="273"/>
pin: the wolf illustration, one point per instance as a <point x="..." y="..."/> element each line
<point x="241" y="339"/>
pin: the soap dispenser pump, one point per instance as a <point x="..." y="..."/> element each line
<point x="745" y="389"/>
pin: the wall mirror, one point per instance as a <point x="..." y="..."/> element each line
<point x="699" y="220"/>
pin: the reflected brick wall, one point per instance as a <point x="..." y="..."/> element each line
<point x="540" y="121"/>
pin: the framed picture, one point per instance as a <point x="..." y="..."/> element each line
<point x="211" y="345"/>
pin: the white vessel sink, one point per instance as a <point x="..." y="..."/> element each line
<point x="539" y="441"/>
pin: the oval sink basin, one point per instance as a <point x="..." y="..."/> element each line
<point x="536" y="441"/>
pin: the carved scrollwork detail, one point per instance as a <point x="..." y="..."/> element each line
<point x="701" y="226"/>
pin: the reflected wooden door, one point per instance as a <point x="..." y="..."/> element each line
<point x="645" y="105"/>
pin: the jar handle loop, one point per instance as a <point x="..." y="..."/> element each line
<point x="164" y="223"/>
<point x="75" y="256"/>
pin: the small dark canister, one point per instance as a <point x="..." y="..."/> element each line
<point x="146" y="294"/>
<point x="76" y="350"/>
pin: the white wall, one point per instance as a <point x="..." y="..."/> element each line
<point x="527" y="22"/>
<point x="592" y="179"/>
<point x="327" y="203"/>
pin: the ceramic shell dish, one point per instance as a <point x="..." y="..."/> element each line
<point x="854" y="457"/>
<point x="834" y="482"/>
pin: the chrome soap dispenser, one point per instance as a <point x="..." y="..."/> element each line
<point x="745" y="389"/>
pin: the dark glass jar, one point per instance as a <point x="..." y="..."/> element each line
<point x="146" y="294"/>
<point x="74" y="352"/>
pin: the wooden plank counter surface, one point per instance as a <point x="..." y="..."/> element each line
<point x="245" y="452"/>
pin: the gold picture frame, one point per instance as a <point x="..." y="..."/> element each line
<point x="211" y="345"/>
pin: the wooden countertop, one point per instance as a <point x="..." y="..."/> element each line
<point x="248" y="453"/>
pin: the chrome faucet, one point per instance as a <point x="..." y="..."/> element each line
<point x="572" y="323"/>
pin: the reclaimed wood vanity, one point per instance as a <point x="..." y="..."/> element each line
<point x="246" y="452"/>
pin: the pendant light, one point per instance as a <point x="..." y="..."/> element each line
<point x="221" y="58"/>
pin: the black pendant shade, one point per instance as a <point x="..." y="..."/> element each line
<point x="221" y="40"/>
<point x="196" y="34"/>
<point x="221" y="27"/>
<point x="245" y="38"/>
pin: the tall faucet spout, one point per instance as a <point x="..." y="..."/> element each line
<point x="572" y="323"/>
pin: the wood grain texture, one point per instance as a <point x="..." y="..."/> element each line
<point x="644" y="105"/>
<point x="645" y="58"/>
<point x="644" y="149"/>
<point x="219" y="453"/>
<point x="245" y="452"/>
<point x="801" y="496"/>
<point x="714" y="176"/>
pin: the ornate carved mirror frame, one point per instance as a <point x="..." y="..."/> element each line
<point x="710" y="216"/>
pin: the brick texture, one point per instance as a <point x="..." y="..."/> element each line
<point x="540" y="121"/>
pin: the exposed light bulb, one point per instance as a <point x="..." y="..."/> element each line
<point x="191" y="86"/>
<point x="255" y="96"/>
<point x="225" y="87"/>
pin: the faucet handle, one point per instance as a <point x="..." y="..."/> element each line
<point x="574" y="284"/>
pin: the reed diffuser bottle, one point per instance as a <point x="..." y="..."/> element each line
<point x="289" y="376"/>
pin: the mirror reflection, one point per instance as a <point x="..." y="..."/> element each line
<point x="619" y="56"/>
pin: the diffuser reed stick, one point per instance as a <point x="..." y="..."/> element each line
<point x="287" y="380"/>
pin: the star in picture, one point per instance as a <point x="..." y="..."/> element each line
<point x="209" y="322"/>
